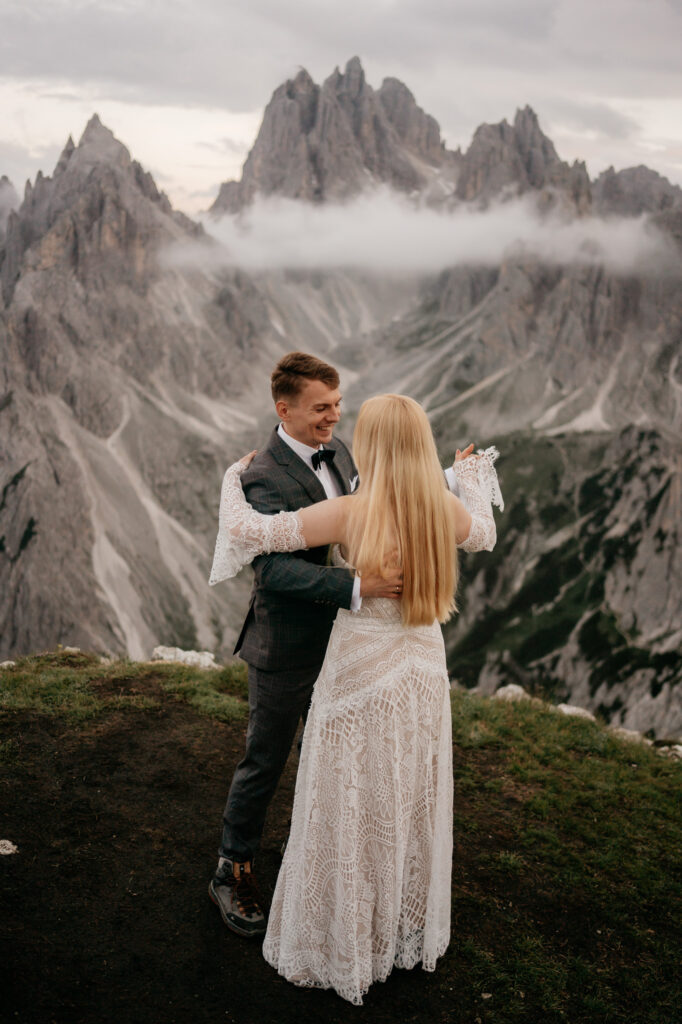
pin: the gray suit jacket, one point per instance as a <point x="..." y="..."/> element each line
<point x="295" y="596"/>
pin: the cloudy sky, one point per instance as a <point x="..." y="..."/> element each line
<point x="183" y="84"/>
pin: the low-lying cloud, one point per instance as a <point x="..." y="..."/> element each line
<point x="385" y="232"/>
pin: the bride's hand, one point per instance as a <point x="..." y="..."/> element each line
<point x="467" y="453"/>
<point x="246" y="460"/>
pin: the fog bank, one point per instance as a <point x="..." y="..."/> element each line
<point x="382" y="231"/>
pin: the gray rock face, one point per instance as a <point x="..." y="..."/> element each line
<point x="332" y="141"/>
<point x="127" y="386"/>
<point x="103" y="352"/>
<point x="418" y="131"/>
<point x="633" y="191"/>
<point x="9" y="201"/>
<point x="509" y="160"/>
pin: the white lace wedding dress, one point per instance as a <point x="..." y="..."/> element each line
<point x="365" y="881"/>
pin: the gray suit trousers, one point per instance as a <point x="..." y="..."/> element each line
<point x="277" y="703"/>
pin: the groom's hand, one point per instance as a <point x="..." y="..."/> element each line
<point x="373" y="585"/>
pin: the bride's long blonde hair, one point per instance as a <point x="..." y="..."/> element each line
<point x="400" y="514"/>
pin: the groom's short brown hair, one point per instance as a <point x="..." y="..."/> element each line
<point x="294" y="369"/>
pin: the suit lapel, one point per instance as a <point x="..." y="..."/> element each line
<point x="339" y="468"/>
<point x="306" y="478"/>
<point x="342" y="467"/>
<point x="296" y="468"/>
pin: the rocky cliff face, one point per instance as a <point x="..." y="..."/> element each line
<point x="103" y="526"/>
<point x="330" y="142"/>
<point x="334" y="141"/>
<point x="634" y="191"/>
<point x="506" y="160"/>
<point x="126" y="386"/>
<point x="9" y="201"/>
<point x="575" y="374"/>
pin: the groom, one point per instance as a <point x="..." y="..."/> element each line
<point x="294" y="602"/>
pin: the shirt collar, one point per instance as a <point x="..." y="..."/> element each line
<point x="304" y="451"/>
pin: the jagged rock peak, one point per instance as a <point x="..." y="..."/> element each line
<point x="352" y="81"/>
<point x="65" y="156"/>
<point x="98" y="144"/>
<point x="331" y="142"/>
<point x="510" y="159"/>
<point x="633" y="191"/>
<point x="95" y="128"/>
<point x="414" y="126"/>
<point x="302" y="84"/>
<point x="530" y="137"/>
<point x="95" y="207"/>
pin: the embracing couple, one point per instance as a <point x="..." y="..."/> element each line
<point x="347" y="638"/>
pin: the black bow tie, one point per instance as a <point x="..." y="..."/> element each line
<point x="324" y="455"/>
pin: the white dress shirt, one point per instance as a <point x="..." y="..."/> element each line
<point x="330" y="485"/>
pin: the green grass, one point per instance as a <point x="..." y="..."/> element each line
<point x="566" y="883"/>
<point x="79" y="686"/>
<point x="220" y="694"/>
<point x="586" y="830"/>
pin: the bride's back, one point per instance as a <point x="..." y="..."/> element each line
<point x="399" y="515"/>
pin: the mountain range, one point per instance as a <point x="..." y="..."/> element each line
<point x="127" y="384"/>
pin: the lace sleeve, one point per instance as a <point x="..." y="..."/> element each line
<point x="244" y="533"/>
<point x="480" y="490"/>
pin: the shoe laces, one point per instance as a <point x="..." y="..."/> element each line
<point x="246" y="892"/>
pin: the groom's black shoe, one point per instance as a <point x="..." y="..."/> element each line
<point x="234" y="891"/>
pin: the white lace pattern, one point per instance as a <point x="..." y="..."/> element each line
<point x="365" y="881"/>
<point x="480" y="490"/>
<point x="244" y="533"/>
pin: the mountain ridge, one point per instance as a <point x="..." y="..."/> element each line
<point x="129" y="385"/>
<point x="331" y="142"/>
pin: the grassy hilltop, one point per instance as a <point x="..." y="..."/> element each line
<point x="566" y="881"/>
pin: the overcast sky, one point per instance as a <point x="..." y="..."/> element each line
<point x="183" y="84"/>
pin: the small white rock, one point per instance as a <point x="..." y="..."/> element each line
<point x="199" y="659"/>
<point x="6" y="847"/>
<point x="626" y="734"/>
<point x="71" y="650"/>
<point x="512" y="691"/>
<point x="577" y="712"/>
<point x="7" y="664"/>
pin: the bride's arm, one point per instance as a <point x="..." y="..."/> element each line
<point x="462" y="518"/>
<point x="244" y="533"/>
<point x="325" y="522"/>
<point x="480" y="489"/>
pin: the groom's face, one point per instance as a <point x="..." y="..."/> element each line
<point x="311" y="417"/>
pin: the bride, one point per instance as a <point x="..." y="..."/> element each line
<point x="365" y="881"/>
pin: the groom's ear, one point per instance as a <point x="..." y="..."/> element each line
<point x="282" y="408"/>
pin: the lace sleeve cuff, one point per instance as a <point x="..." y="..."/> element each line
<point x="480" y="490"/>
<point x="244" y="533"/>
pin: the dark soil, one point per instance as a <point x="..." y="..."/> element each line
<point x="565" y="868"/>
<point x="105" y="910"/>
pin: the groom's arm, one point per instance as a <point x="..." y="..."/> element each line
<point x="285" y="573"/>
<point x="305" y="581"/>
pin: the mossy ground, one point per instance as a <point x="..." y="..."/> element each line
<point x="566" y="883"/>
